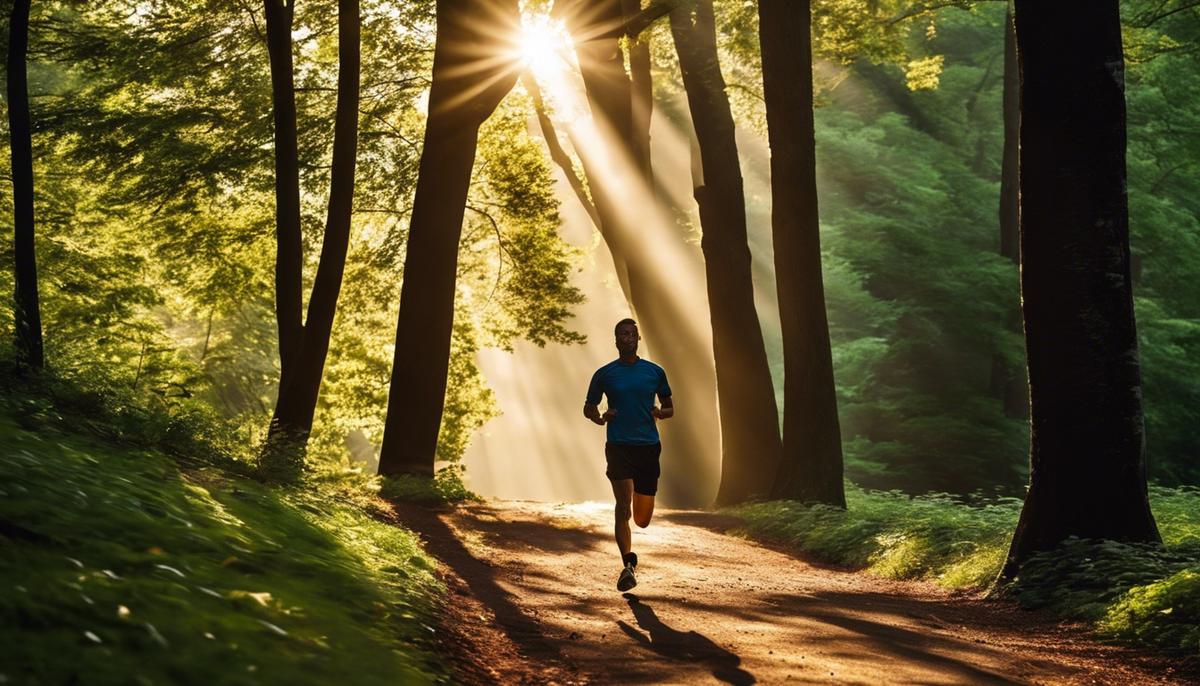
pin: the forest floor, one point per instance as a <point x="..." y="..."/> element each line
<point x="533" y="600"/>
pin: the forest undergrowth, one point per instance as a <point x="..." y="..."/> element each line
<point x="1141" y="594"/>
<point x="139" y="549"/>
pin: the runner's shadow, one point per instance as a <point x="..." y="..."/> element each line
<point x="689" y="646"/>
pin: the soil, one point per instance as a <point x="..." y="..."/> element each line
<point x="533" y="600"/>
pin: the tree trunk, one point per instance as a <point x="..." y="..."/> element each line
<point x="812" y="441"/>
<point x="27" y="313"/>
<point x="297" y="404"/>
<point x="641" y="92"/>
<point x="621" y="108"/>
<point x="750" y="443"/>
<point x="1087" y="442"/>
<point x="473" y="69"/>
<point x="1009" y="381"/>
<point x="289" y="252"/>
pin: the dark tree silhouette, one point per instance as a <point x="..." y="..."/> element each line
<point x="297" y="403"/>
<point x="474" y="67"/>
<point x="27" y="311"/>
<point x="812" y="442"/>
<point x="1087" y="447"/>
<point x="289" y="254"/>
<point x="751" y="448"/>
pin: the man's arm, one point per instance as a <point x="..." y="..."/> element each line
<point x="592" y="412"/>
<point x="666" y="411"/>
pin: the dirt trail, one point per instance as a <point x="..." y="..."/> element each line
<point x="534" y="600"/>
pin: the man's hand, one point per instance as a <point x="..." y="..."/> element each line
<point x="666" y="411"/>
<point x="593" y="413"/>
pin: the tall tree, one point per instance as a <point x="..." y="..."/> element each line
<point x="297" y="402"/>
<point x="641" y="88"/>
<point x="289" y="255"/>
<point x="751" y="448"/>
<point x="474" y="67"/>
<point x="1087" y="444"/>
<point x="812" y="442"/>
<point x="620" y="103"/>
<point x="1008" y="381"/>
<point x="27" y="310"/>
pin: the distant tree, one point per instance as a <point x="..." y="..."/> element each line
<point x="297" y="403"/>
<point x="812" y="445"/>
<point x="1087" y="447"/>
<point x="1008" y="381"/>
<point x="751" y="448"/>
<point x="474" y="67"/>
<point x="289" y="255"/>
<point x="26" y="311"/>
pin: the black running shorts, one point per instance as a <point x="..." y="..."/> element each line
<point x="637" y="462"/>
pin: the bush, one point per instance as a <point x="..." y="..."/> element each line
<point x="1165" y="613"/>
<point x="899" y="536"/>
<point x="446" y="487"/>
<point x="1144" y="593"/>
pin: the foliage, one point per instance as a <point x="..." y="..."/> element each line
<point x="1162" y="613"/>
<point x="88" y="400"/>
<point x="144" y="572"/>
<point x="445" y="487"/>
<point x="918" y="298"/>
<point x="156" y="212"/>
<point x="935" y="536"/>
<point x="1142" y="593"/>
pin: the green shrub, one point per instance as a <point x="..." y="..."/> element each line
<point x="1165" y="613"/>
<point x="445" y="487"/>
<point x="1148" y="594"/>
<point x="933" y="536"/>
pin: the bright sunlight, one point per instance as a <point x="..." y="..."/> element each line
<point x="545" y="44"/>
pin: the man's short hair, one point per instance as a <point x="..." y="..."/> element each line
<point x="623" y="322"/>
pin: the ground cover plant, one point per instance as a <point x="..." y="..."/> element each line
<point x="1139" y="593"/>
<point x="122" y="567"/>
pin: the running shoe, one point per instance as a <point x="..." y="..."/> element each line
<point x="626" y="581"/>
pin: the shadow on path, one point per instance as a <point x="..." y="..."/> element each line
<point x="480" y="578"/>
<point x="687" y="646"/>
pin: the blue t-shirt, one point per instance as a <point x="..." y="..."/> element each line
<point x="630" y="389"/>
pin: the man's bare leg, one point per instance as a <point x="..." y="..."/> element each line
<point x="643" y="509"/>
<point x="623" y="490"/>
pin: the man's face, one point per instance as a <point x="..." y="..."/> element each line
<point x="627" y="339"/>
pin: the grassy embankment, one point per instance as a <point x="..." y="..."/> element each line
<point x="124" y="565"/>
<point x="1147" y="595"/>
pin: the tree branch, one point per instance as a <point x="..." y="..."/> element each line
<point x="557" y="153"/>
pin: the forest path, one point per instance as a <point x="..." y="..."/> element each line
<point x="534" y="600"/>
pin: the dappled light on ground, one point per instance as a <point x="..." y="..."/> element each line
<point x="710" y="608"/>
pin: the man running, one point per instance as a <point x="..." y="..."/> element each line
<point x="632" y="450"/>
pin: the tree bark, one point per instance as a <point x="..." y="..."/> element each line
<point x="750" y="442"/>
<point x="473" y="69"/>
<point x="1008" y="382"/>
<point x="1087" y="442"/>
<point x="293" y="419"/>
<point x="289" y="251"/>
<point x="621" y="106"/>
<point x="27" y="313"/>
<point x="812" y="442"/>
<point x="641" y="92"/>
